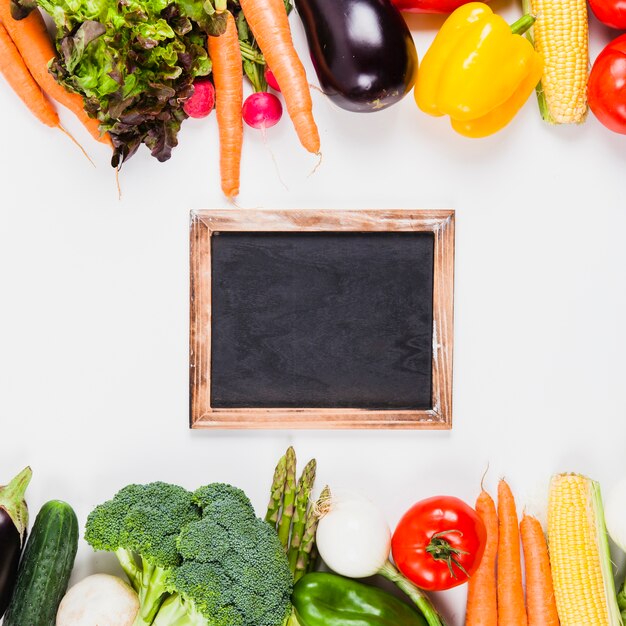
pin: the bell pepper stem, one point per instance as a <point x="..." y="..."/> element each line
<point x="419" y="598"/>
<point x="523" y="24"/>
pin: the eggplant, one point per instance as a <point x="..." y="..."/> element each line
<point x="362" y="51"/>
<point x="13" y="526"/>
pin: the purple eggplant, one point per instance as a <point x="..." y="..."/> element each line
<point x="13" y="526"/>
<point x="362" y="51"/>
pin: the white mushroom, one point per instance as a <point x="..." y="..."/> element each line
<point x="98" y="600"/>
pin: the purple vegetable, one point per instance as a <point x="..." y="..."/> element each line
<point x="362" y="51"/>
<point x="13" y="526"/>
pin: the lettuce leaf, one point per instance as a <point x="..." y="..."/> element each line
<point x="134" y="62"/>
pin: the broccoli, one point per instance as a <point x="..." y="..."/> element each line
<point x="220" y="499"/>
<point x="234" y="570"/>
<point x="141" y="525"/>
<point x="206" y="559"/>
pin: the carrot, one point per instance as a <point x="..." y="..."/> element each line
<point x="14" y="69"/>
<point x="31" y="38"/>
<point x="270" y="26"/>
<point x="511" y="609"/>
<point x="228" y="78"/>
<point x="17" y="75"/>
<point x="539" y="589"/>
<point x="482" y="603"/>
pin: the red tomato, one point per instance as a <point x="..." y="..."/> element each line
<point x="439" y="543"/>
<point x="610" y="12"/>
<point x="607" y="86"/>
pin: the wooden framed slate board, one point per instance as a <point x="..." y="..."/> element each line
<point x="321" y="319"/>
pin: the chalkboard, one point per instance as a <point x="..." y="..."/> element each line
<point x="321" y="318"/>
<point x="326" y="320"/>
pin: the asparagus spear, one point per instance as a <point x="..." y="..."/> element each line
<point x="277" y="493"/>
<point x="308" y="537"/>
<point x="303" y="495"/>
<point x="284" y="525"/>
<point x="313" y="559"/>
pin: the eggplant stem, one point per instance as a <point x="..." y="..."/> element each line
<point x="12" y="501"/>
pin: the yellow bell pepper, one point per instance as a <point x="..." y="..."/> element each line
<point x="479" y="71"/>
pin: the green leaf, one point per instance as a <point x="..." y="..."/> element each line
<point x="134" y="62"/>
<point x="73" y="47"/>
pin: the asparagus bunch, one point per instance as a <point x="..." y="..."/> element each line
<point x="292" y="513"/>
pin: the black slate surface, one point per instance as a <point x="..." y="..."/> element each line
<point x="329" y="320"/>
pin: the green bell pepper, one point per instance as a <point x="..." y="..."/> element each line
<point x="322" y="599"/>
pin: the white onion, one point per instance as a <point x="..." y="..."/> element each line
<point x="615" y="514"/>
<point x="353" y="538"/>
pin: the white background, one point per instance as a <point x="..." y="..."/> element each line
<point x="94" y="304"/>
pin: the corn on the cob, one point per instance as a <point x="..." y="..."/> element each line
<point x="561" y="36"/>
<point x="579" y="553"/>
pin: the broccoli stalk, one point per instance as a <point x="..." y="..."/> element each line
<point x="149" y="581"/>
<point x="129" y="565"/>
<point x="153" y="590"/>
<point x="176" y="612"/>
<point x="141" y="525"/>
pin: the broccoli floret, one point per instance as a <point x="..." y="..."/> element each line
<point x="141" y="524"/>
<point x="234" y="570"/>
<point x="224" y="501"/>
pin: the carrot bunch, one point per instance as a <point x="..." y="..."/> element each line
<point x="496" y="593"/>
<point x="25" y="52"/>
<point x="268" y="21"/>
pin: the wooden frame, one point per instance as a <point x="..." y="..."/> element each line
<point x="205" y="223"/>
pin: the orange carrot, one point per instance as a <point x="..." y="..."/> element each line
<point x="511" y="609"/>
<point x="17" y="75"/>
<point x="32" y="40"/>
<point x="14" y="69"/>
<point x="539" y="589"/>
<point x="482" y="603"/>
<point x="270" y="26"/>
<point x="228" y="78"/>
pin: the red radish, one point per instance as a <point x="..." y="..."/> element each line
<point x="262" y="110"/>
<point x="271" y="79"/>
<point x="202" y="101"/>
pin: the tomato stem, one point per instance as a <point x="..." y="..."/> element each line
<point x="442" y="550"/>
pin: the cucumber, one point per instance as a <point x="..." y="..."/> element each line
<point x="45" y="567"/>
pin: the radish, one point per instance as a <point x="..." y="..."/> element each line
<point x="202" y="101"/>
<point x="262" y="110"/>
<point x="271" y="79"/>
<point x="354" y="539"/>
